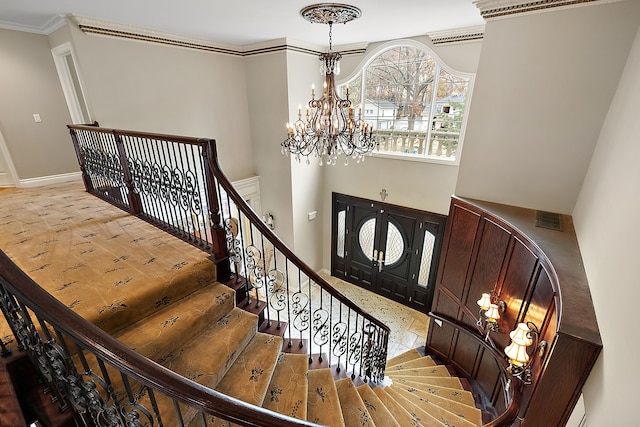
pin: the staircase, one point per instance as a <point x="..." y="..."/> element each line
<point x="171" y="310"/>
<point x="206" y="338"/>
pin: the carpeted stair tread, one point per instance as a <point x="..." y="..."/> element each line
<point x="229" y="335"/>
<point x="402" y="415"/>
<point x="249" y="376"/>
<point x="176" y="325"/>
<point x="421" y="412"/>
<point x="468" y="413"/>
<point x="287" y="392"/>
<point x="457" y="395"/>
<point x="429" y="371"/>
<point x="423" y="362"/>
<point x="381" y="416"/>
<point x="323" y="404"/>
<point x="404" y="357"/>
<point x="449" y="382"/>
<point x="207" y="359"/>
<point x="354" y="411"/>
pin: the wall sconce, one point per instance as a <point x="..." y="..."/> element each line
<point x="522" y="337"/>
<point x="490" y="310"/>
<point x="269" y="219"/>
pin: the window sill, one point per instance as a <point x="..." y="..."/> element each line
<point x="416" y="158"/>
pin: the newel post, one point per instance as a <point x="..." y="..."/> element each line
<point x="135" y="204"/>
<point x="219" y="249"/>
<point x="88" y="185"/>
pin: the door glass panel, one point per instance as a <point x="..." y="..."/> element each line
<point x="366" y="236"/>
<point x="425" y="262"/>
<point x="341" y="228"/>
<point x="395" y="245"/>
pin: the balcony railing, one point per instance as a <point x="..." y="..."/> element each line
<point x="436" y="145"/>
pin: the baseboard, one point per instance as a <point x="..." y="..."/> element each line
<point x="49" y="180"/>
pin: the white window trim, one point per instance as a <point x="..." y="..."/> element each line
<point x="369" y="57"/>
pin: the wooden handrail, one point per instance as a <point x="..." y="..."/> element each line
<point x="281" y="246"/>
<point x="129" y="362"/>
<point x="514" y="387"/>
<point x="137" y="166"/>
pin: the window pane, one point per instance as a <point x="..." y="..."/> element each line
<point x="355" y="92"/>
<point x="366" y="236"/>
<point x="399" y="88"/>
<point x="448" y="114"/>
<point x="397" y="99"/>
<point x="395" y="245"/>
<point x="340" y="236"/>
<point x="425" y="261"/>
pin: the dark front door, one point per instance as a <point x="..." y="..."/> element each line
<point x="387" y="249"/>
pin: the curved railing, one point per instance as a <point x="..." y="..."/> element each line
<point x="511" y="390"/>
<point x="177" y="184"/>
<point x="64" y="347"/>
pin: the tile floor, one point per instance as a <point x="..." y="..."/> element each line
<point x="408" y="326"/>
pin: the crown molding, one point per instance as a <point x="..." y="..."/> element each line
<point x="493" y="9"/>
<point x="457" y="35"/>
<point x="100" y="27"/>
<point x="56" y="22"/>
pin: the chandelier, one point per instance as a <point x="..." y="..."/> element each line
<point x="329" y="127"/>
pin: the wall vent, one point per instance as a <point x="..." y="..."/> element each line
<point x="550" y="220"/>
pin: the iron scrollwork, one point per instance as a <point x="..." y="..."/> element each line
<point x="277" y="290"/>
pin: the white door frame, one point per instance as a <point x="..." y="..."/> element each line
<point x="75" y="100"/>
<point x="11" y="172"/>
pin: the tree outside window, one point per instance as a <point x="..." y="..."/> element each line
<point x="414" y="101"/>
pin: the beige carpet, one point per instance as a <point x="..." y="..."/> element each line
<point x="158" y="295"/>
<point x="95" y="258"/>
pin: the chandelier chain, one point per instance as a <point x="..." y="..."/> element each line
<point x="330" y="127"/>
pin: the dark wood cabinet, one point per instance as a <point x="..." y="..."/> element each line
<point x="538" y="273"/>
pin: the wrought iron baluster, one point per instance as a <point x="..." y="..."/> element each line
<point x="153" y="197"/>
<point x="197" y="206"/>
<point x="265" y="267"/>
<point x="177" y="188"/>
<point x="113" y="409"/>
<point x="132" y="410"/>
<point x="134" y="200"/>
<point x="310" y="342"/>
<point x="168" y="178"/>
<point x="5" y="350"/>
<point x="176" y="408"/>
<point x="243" y="244"/>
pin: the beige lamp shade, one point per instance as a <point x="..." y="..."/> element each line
<point x="493" y="313"/>
<point x="484" y="302"/>
<point x="521" y="335"/>
<point x="517" y="354"/>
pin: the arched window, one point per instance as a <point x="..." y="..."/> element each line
<point x="416" y="103"/>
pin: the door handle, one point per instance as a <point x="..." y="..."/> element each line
<point x="380" y="260"/>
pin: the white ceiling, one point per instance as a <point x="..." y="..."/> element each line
<point x="244" y="22"/>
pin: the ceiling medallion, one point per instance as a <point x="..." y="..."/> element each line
<point x="330" y="13"/>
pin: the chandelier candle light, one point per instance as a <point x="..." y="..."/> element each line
<point x="330" y="127"/>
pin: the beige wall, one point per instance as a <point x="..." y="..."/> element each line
<point x="543" y="87"/>
<point x="29" y="85"/>
<point x="165" y="89"/>
<point x="268" y="111"/>
<point x="608" y="231"/>
<point x="306" y="179"/>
